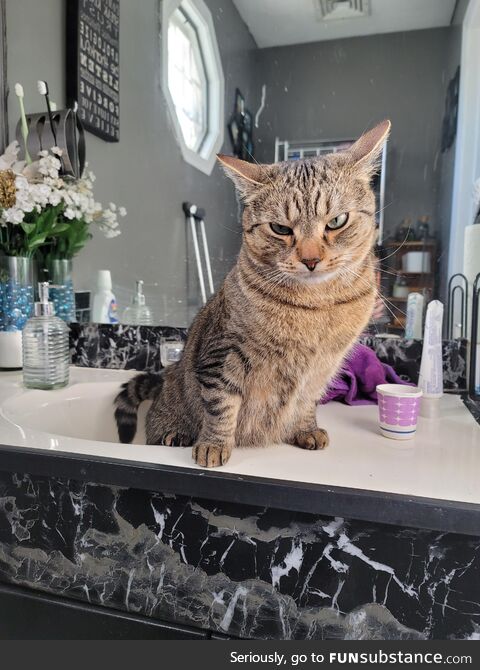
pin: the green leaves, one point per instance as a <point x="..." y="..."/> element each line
<point x="45" y="234"/>
<point x="71" y="238"/>
<point x="40" y="227"/>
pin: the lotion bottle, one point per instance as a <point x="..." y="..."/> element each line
<point x="104" y="302"/>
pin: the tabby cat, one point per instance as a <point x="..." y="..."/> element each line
<point x="262" y="351"/>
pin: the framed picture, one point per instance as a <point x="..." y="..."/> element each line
<point x="247" y="122"/>
<point x="240" y="129"/>
<point x="3" y="79"/>
<point x="233" y="130"/>
<point x="239" y="103"/>
<point x="449" y="125"/>
<point x="92" y="26"/>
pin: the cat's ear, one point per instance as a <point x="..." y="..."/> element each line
<point x="247" y="177"/>
<point x="368" y="148"/>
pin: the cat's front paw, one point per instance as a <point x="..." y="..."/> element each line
<point x="210" y="455"/>
<point x="312" y="439"/>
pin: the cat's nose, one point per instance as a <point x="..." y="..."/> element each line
<point x="311" y="263"/>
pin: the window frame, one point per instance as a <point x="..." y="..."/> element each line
<point x="203" y="158"/>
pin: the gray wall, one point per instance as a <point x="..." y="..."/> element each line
<point x="339" y="88"/>
<point x="145" y="171"/>
<point x="322" y="90"/>
<point x="446" y="164"/>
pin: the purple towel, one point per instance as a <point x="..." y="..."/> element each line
<point x="356" y="382"/>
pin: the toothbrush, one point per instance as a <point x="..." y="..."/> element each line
<point x="42" y="87"/>
<point x="20" y="95"/>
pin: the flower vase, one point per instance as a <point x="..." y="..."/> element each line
<point x="16" y="307"/>
<point x="59" y="276"/>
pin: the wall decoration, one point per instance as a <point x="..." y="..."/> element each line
<point x="449" y="125"/>
<point x="240" y="128"/>
<point x="69" y="137"/>
<point x="3" y="78"/>
<point x="93" y="28"/>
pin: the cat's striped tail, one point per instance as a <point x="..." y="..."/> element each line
<point x="142" y="387"/>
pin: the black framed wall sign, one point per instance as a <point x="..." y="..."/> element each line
<point x="93" y="68"/>
<point x="3" y="78"/>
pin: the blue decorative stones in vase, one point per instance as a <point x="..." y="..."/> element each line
<point x="59" y="273"/>
<point x="16" y="306"/>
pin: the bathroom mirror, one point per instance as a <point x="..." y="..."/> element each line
<point x="267" y="80"/>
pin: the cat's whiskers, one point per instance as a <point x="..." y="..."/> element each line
<point x="380" y="295"/>
<point x="346" y="276"/>
<point x="382" y="209"/>
<point x="400" y="246"/>
<point x="378" y="269"/>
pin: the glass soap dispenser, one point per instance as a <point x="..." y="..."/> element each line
<point x="138" y="314"/>
<point x="46" y="355"/>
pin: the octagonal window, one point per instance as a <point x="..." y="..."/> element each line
<point x="193" y="80"/>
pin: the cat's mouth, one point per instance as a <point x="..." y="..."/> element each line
<point x="310" y="278"/>
<point x="315" y="277"/>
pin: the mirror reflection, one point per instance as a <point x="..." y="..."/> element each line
<point x="132" y="217"/>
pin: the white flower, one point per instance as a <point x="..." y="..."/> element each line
<point x="13" y="215"/>
<point x="109" y="233"/>
<point x="55" y="198"/>
<point x="40" y="185"/>
<point x="69" y="213"/>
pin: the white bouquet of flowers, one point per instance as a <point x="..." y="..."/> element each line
<point x="43" y="212"/>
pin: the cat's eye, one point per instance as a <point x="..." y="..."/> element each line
<point x="281" y="230"/>
<point x="338" y="222"/>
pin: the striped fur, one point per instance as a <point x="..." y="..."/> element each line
<point x="140" y="388"/>
<point x="264" y="348"/>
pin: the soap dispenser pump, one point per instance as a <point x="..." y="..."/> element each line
<point x="138" y="314"/>
<point x="46" y="355"/>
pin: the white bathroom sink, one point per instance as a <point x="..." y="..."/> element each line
<point x="83" y="411"/>
<point x="442" y="461"/>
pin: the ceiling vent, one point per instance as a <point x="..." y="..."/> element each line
<point x="335" y="10"/>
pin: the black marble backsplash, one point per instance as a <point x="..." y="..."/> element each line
<point x="138" y="348"/>
<point x="405" y="356"/>
<point x="119" y="347"/>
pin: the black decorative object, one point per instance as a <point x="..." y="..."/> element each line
<point x="458" y="283"/>
<point x="473" y="389"/>
<point x="93" y="68"/>
<point x="69" y="133"/>
<point x="449" y="126"/>
<point x="240" y="128"/>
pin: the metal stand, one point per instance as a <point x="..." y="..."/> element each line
<point x="195" y="217"/>
<point x="68" y="135"/>
<point x="474" y="337"/>
<point x="462" y="288"/>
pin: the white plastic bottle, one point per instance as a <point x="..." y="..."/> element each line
<point x="104" y="303"/>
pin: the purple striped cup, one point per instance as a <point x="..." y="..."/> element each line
<point x="398" y="407"/>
